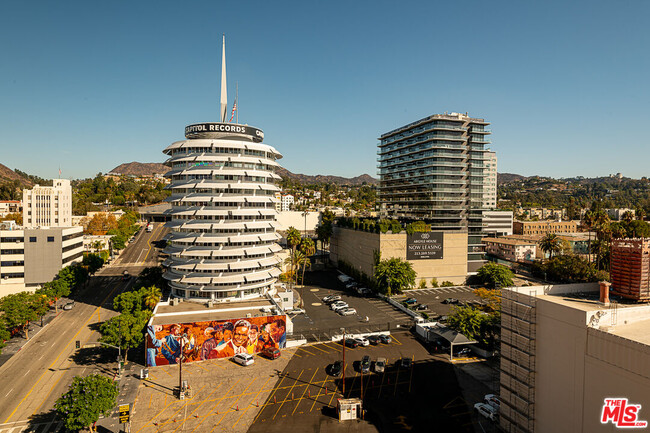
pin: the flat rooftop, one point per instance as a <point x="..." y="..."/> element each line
<point x="186" y="312"/>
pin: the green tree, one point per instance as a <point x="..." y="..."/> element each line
<point x="130" y="302"/>
<point x="293" y="240"/>
<point x="19" y="310"/>
<point x="476" y="325"/>
<point x="93" y="262"/>
<point x="492" y="274"/>
<point x="151" y="296"/>
<point x="4" y="334"/>
<point x="434" y="282"/>
<point x="125" y="331"/>
<point x="393" y="275"/>
<point x="308" y="249"/>
<point x="551" y="244"/>
<point x="55" y="289"/>
<point x="86" y="399"/>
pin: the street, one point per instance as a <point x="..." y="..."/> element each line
<point x="42" y="370"/>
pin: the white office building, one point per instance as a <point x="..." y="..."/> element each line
<point x="48" y="206"/>
<point x="490" y="181"/>
<point x="287" y="202"/>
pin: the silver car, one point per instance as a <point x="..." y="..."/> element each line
<point x="380" y="365"/>
<point x="346" y="311"/>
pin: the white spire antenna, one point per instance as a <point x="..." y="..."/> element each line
<point x="224" y="91"/>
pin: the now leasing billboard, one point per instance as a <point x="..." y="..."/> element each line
<point x="421" y="246"/>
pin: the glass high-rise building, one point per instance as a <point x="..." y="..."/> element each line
<point x="434" y="170"/>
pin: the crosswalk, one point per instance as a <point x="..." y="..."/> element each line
<point x="439" y="290"/>
<point x="53" y="426"/>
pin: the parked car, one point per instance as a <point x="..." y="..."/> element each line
<point x="486" y="410"/>
<point x="365" y="364"/>
<point x="344" y="278"/>
<point x="385" y="339"/>
<point x="421" y="307"/>
<point x="125" y="275"/>
<point x="465" y="351"/>
<point x="336" y="368"/>
<point x="493" y="401"/>
<point x="441" y="344"/>
<point x="374" y="339"/>
<point x="296" y="311"/>
<point x="380" y="365"/>
<point x="346" y="311"/>
<point x="69" y="305"/>
<point x="363" y="341"/>
<point x="331" y="298"/>
<point x="351" y="285"/>
<point x="363" y="291"/>
<point x="351" y="342"/>
<point x="409" y="301"/>
<point x="271" y="353"/>
<point x="405" y="363"/>
<point x="243" y="359"/>
<point x="450" y="301"/>
<point x="339" y="305"/>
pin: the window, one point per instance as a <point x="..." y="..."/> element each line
<point x="50" y="238"/>
<point x="32" y="238"/>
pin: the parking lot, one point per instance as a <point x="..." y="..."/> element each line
<point x="425" y="397"/>
<point x="320" y="321"/>
<point x="434" y="298"/>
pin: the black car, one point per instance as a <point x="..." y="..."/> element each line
<point x="450" y="301"/>
<point x="411" y="301"/>
<point x="405" y="363"/>
<point x="336" y="368"/>
<point x="365" y="364"/>
<point x="373" y="339"/>
<point x="350" y="342"/>
<point x="385" y="339"/>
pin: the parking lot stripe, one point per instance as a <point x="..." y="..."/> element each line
<point x="316" y="347"/>
<point x="287" y="396"/>
<point x="383" y="376"/>
<point x="303" y="393"/>
<point x="320" y="389"/>
<point x="352" y="385"/>
<point x="182" y="407"/>
<point x="396" y="340"/>
<point x="269" y="399"/>
<point x="253" y="400"/>
<point x="197" y="408"/>
<point x="338" y="349"/>
<point x="305" y="350"/>
<point x="156" y="415"/>
<point x="235" y="402"/>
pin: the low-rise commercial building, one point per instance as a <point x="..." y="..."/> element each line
<point x="31" y="257"/>
<point x="514" y="250"/>
<point x="498" y="222"/>
<point x="566" y="353"/>
<point x="440" y="255"/>
<point x="10" y="206"/>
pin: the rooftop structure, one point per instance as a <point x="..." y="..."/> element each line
<point x="630" y="268"/>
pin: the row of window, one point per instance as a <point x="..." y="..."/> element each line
<point x="72" y="247"/>
<point x="225" y="217"/>
<point x="13" y="263"/>
<point x="230" y="285"/>
<point x="72" y="257"/>
<point x="227" y="150"/>
<point x="230" y="164"/>
<point x="216" y="273"/>
<point x="182" y="244"/>
<point x="180" y="202"/>
<point x="224" y="259"/>
<point x="12" y="275"/>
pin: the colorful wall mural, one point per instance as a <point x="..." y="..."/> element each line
<point x="214" y="339"/>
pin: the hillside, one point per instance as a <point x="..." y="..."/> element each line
<point x="149" y="168"/>
<point x="140" y="168"/>
<point x="319" y="178"/>
<point x="8" y="175"/>
<point x="503" y="178"/>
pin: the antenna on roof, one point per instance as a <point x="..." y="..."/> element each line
<point x="224" y="89"/>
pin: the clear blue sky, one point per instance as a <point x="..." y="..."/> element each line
<point x="87" y="85"/>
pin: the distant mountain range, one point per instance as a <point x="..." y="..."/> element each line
<point x="150" y="168"/>
<point x="509" y="177"/>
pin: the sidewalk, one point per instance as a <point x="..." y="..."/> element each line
<point x="128" y="384"/>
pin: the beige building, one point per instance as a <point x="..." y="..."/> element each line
<point x="544" y="227"/>
<point x="48" y="206"/>
<point x="514" y="250"/>
<point x="10" y="206"/>
<point x="563" y="353"/>
<point x="357" y="248"/>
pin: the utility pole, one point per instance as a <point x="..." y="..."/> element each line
<point x="343" y="329"/>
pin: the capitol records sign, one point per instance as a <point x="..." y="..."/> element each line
<point x="420" y="246"/>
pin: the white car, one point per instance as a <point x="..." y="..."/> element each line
<point x="486" y="410"/>
<point x="347" y="312"/>
<point x="493" y="401"/>
<point x="338" y="304"/>
<point x="243" y="359"/>
<point x="331" y="298"/>
<point x="296" y="311"/>
<point x="363" y="341"/>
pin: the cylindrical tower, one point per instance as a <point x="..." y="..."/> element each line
<point x="223" y="237"/>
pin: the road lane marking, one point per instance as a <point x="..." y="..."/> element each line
<point x="149" y="241"/>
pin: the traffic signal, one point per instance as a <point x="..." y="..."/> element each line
<point x="77" y="344"/>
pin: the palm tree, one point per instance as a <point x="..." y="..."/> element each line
<point x="152" y="296"/>
<point x="293" y="239"/>
<point x="640" y="214"/>
<point x="550" y="244"/>
<point x="628" y="216"/>
<point x="308" y="248"/>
